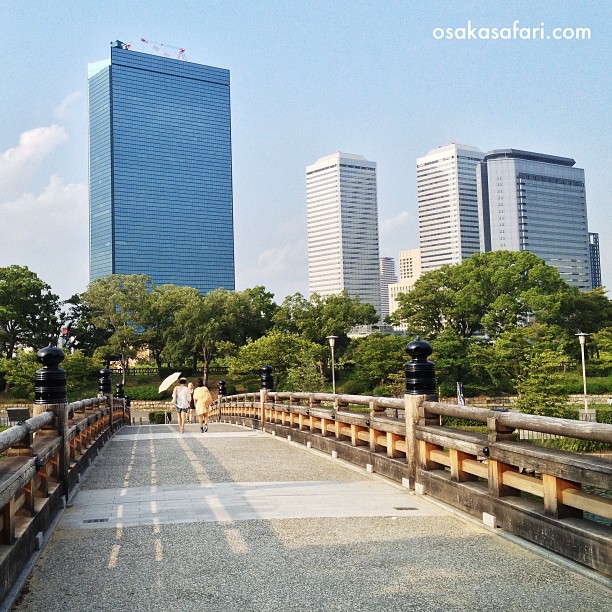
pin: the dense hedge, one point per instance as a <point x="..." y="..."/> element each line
<point x="157" y="417"/>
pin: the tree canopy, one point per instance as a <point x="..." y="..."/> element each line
<point x="323" y="316"/>
<point x="29" y="311"/>
<point x="486" y="294"/>
<point x="117" y="303"/>
<point x="294" y="359"/>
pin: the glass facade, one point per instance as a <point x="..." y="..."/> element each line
<point x="160" y="171"/>
<point x="595" y="260"/>
<point x="537" y="203"/>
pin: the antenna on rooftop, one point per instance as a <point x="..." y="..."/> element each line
<point x="160" y="48"/>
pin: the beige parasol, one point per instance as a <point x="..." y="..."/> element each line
<point x="168" y="381"/>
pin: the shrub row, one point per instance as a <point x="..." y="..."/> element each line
<point x="157" y="417"/>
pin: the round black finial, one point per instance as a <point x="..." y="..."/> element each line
<point x="420" y="372"/>
<point x="222" y="388"/>
<point x="267" y="381"/>
<point x="120" y="390"/>
<point x="419" y="349"/>
<point x="105" y="385"/>
<point x="50" y="380"/>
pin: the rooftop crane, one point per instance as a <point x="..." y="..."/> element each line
<point x="157" y="47"/>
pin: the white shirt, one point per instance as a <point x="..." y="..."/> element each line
<point x="181" y="396"/>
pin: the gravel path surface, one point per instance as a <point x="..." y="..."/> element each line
<point x="395" y="563"/>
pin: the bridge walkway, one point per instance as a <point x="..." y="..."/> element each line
<point x="235" y="519"/>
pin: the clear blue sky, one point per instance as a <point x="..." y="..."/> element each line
<point x="308" y="79"/>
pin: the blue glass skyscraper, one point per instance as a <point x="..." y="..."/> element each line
<point x="160" y="170"/>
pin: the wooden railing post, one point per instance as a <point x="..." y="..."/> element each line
<point x="267" y="384"/>
<point x="420" y="374"/>
<point x="411" y="415"/>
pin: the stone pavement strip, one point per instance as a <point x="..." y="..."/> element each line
<point x="239" y="520"/>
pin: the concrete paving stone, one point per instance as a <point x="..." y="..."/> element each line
<point x="424" y="559"/>
<point x="371" y="563"/>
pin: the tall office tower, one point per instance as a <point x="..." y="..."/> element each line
<point x="595" y="260"/>
<point x="448" y="206"/>
<point x="537" y="203"/>
<point x="343" y="227"/>
<point x="160" y="170"/>
<point x="387" y="276"/>
<point x="410" y="271"/>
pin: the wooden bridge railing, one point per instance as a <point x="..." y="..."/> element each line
<point x="42" y="459"/>
<point x="557" y="499"/>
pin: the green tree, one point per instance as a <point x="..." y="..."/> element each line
<point x="540" y="385"/>
<point x="496" y="365"/>
<point x="83" y="334"/>
<point x="377" y="357"/>
<point x="294" y="359"/>
<point x="81" y="371"/>
<point x="218" y="323"/>
<point x="29" y="312"/>
<point x="486" y="294"/>
<point x="322" y="316"/>
<point x="118" y="303"/>
<point x="451" y="356"/>
<point x="260" y="309"/>
<point x="159" y="317"/>
<point x="19" y="373"/>
<point x="589" y="312"/>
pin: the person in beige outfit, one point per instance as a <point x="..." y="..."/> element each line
<point x="202" y="399"/>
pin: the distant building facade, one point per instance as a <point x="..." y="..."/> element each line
<point x="387" y="276"/>
<point x="535" y="202"/>
<point x="410" y="272"/>
<point x="342" y="210"/>
<point x="448" y="205"/>
<point x="160" y="170"/>
<point x="595" y="260"/>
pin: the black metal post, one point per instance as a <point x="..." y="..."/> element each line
<point x="105" y="388"/>
<point x="267" y="380"/>
<point x="420" y="372"/>
<point x="50" y="390"/>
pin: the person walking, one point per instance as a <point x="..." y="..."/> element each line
<point x="203" y="400"/>
<point x="181" y="398"/>
<point x="191" y="411"/>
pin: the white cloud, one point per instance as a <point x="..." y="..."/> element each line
<point x="19" y="165"/>
<point x="280" y="269"/>
<point x="34" y="144"/>
<point x="48" y="233"/>
<point x="398" y="233"/>
<point x="64" y="108"/>
<point x="399" y="220"/>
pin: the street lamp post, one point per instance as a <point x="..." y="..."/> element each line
<point x="332" y="344"/>
<point x="582" y="337"/>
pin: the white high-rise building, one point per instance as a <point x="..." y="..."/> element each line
<point x="448" y="205"/>
<point x="536" y="202"/>
<point x="342" y="211"/>
<point x="387" y="276"/>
